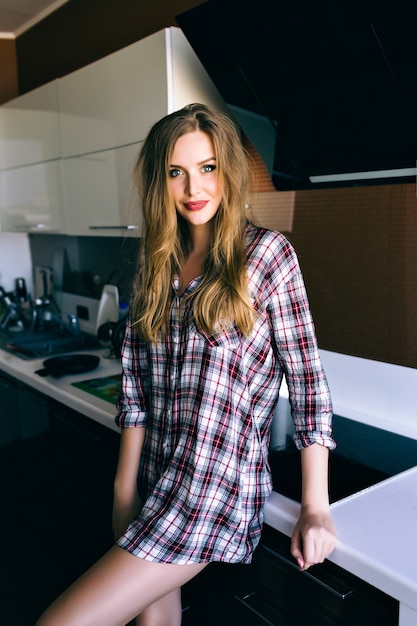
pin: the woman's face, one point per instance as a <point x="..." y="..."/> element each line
<point x="193" y="178"/>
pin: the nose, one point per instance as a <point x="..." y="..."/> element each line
<point x="193" y="184"/>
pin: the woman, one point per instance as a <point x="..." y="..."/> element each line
<point x="219" y="315"/>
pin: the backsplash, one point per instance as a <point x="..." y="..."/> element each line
<point x="15" y="260"/>
<point x="90" y="262"/>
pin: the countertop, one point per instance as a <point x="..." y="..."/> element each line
<point x="376" y="528"/>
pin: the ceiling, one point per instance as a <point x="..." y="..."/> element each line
<point x="16" y="16"/>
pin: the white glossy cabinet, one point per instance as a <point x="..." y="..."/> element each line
<point x="115" y="100"/>
<point x="97" y="193"/>
<point x="30" y="170"/>
<point x="67" y="148"/>
<point x="31" y="198"/>
<point x="29" y="128"/>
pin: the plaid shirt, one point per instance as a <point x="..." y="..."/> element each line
<point x="207" y="404"/>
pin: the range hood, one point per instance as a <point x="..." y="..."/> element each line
<point x="326" y="91"/>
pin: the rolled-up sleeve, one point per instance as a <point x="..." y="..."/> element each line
<point x="297" y="351"/>
<point x="132" y="402"/>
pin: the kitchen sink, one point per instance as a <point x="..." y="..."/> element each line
<point x="365" y="455"/>
<point x="35" y="344"/>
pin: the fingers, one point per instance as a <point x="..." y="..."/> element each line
<point x="312" y="545"/>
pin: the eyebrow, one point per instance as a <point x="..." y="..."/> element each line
<point x="200" y="163"/>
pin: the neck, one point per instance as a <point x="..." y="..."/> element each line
<point x="200" y="237"/>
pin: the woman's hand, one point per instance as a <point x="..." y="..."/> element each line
<point x="126" y="501"/>
<point x="314" y="537"/>
<point x="124" y="511"/>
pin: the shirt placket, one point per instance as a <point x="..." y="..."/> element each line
<point x="174" y="338"/>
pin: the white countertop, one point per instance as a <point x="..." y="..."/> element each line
<point x="61" y="389"/>
<point x="377" y="538"/>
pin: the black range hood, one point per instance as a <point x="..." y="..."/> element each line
<point x="326" y="91"/>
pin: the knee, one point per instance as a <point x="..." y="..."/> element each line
<point x="159" y="616"/>
<point x="147" y="619"/>
<point x="158" y="620"/>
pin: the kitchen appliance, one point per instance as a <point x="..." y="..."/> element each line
<point x="108" y="309"/>
<point x="326" y="93"/>
<point x="111" y="335"/>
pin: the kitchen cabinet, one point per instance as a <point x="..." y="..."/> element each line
<point x="30" y="174"/>
<point x="273" y="592"/>
<point x="58" y="484"/>
<point x="31" y="198"/>
<point x="67" y="148"/>
<point x="114" y="101"/>
<point x="29" y="128"/>
<point x="9" y="425"/>
<point x="97" y="193"/>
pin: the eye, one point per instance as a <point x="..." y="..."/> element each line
<point x="208" y="168"/>
<point x="174" y="172"/>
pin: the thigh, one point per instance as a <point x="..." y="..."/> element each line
<point x="115" y="590"/>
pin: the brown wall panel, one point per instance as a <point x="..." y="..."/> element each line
<point x="358" y="253"/>
<point x="8" y="70"/>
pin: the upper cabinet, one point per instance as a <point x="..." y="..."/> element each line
<point x="114" y="101"/>
<point x="29" y="128"/>
<point x="97" y="193"/>
<point x="67" y="148"/>
<point x="31" y="198"/>
<point x="30" y="171"/>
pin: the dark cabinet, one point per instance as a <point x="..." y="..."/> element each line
<point x="57" y="492"/>
<point x="9" y="423"/>
<point x="272" y="591"/>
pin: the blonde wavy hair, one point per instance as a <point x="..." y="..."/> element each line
<point x="222" y="298"/>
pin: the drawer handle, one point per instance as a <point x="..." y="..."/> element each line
<point x="121" y="227"/>
<point x="340" y="594"/>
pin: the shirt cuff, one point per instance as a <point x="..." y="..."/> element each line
<point x="303" y="439"/>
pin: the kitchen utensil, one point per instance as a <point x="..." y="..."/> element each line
<point x="43" y="282"/>
<point x="20" y="289"/>
<point x="66" y="364"/>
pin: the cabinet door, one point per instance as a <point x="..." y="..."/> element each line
<point x="31" y="198"/>
<point x="114" y="101"/>
<point x="97" y="193"/>
<point x="325" y="594"/>
<point x="9" y="418"/>
<point x="29" y="128"/>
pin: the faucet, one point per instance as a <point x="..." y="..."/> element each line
<point x="42" y="314"/>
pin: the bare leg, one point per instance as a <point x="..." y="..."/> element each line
<point x="115" y="590"/>
<point x="164" y="612"/>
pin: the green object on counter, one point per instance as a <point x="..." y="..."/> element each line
<point x="106" y="388"/>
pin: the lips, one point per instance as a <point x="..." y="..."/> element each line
<point x="195" y="206"/>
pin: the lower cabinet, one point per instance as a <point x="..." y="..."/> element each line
<point x="59" y="469"/>
<point x="272" y="591"/>
<point x="75" y="463"/>
<point x="9" y="425"/>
